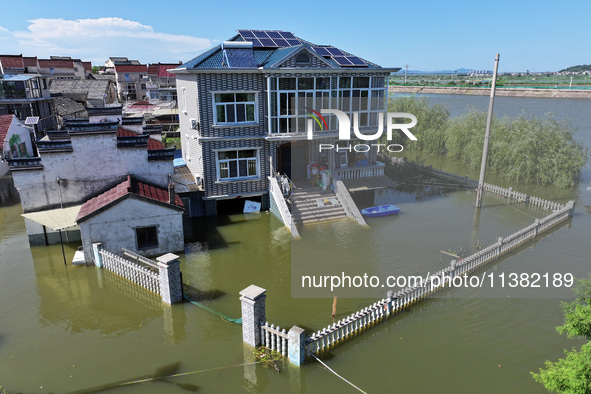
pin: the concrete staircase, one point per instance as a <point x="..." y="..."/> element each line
<point x="306" y="210"/>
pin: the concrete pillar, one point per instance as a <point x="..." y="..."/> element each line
<point x="536" y="229"/>
<point x="171" y="287"/>
<point x="253" y="314"/>
<point x="297" y="345"/>
<point x="500" y="242"/>
<point x="572" y="207"/>
<point x="98" y="259"/>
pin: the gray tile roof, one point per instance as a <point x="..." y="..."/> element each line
<point x="65" y="106"/>
<point x="94" y="88"/>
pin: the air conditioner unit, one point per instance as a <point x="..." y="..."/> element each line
<point x="194" y="124"/>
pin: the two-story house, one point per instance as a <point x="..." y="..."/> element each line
<point x="245" y="107"/>
<point x="161" y="84"/>
<point x="131" y="84"/>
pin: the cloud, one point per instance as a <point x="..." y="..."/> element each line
<point x="97" y="39"/>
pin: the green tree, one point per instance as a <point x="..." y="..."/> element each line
<point x="572" y="374"/>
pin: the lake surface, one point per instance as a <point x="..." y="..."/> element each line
<point x="66" y="329"/>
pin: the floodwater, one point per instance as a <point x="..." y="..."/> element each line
<point x="70" y="329"/>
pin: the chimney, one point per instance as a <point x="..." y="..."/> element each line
<point x="171" y="195"/>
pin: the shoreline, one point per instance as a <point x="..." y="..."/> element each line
<point x="500" y="91"/>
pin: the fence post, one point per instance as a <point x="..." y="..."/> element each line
<point x="571" y="204"/>
<point x="296" y="345"/>
<point x="98" y="259"/>
<point x="253" y="314"/>
<point x="171" y="287"/>
<point x="536" y="229"/>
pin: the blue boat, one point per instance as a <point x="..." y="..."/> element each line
<point x="380" y="210"/>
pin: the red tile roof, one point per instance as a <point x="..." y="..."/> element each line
<point x="87" y="66"/>
<point x="126" y="188"/>
<point x="55" y="63"/>
<point x="121" y="68"/>
<point x="163" y="70"/>
<point x="152" y="143"/>
<point x="30" y="61"/>
<point x="12" y="61"/>
<point x="153" y="69"/>
<point x="5" y="122"/>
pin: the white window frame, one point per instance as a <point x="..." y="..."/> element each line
<point x="246" y="122"/>
<point x="238" y="178"/>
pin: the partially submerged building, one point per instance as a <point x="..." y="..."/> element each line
<point x="245" y="105"/>
<point x="89" y="159"/>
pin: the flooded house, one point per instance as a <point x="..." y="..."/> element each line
<point x="249" y="109"/>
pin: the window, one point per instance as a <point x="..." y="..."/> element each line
<point x="234" y="164"/>
<point x="235" y="108"/>
<point x="302" y="58"/>
<point x="147" y="237"/>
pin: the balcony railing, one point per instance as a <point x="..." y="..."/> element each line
<point x="361" y="172"/>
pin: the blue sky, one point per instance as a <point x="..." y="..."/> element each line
<point x="426" y="35"/>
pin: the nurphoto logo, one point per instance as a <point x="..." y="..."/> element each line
<point x="345" y="129"/>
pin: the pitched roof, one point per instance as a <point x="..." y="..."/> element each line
<point x="87" y="66"/>
<point x="65" y="106"/>
<point x="268" y="52"/>
<point x="12" y="61"/>
<point x="153" y="69"/>
<point x="131" y="187"/>
<point x="56" y="63"/>
<point x="93" y="88"/>
<point x="129" y="68"/>
<point x="152" y="143"/>
<point x="5" y="122"/>
<point x="163" y="69"/>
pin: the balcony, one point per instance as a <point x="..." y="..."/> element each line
<point x="361" y="171"/>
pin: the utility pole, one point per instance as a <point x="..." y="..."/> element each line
<point x="487" y="135"/>
<point x="405" y="71"/>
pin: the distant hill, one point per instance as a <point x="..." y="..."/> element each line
<point x="582" y="67"/>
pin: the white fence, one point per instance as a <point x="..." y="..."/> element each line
<point x="143" y="276"/>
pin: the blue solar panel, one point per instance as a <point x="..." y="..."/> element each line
<point x="281" y="42"/>
<point x="356" y="61"/>
<point x="274" y="34"/>
<point x="245" y="33"/>
<point x="293" y="42"/>
<point x="321" y="51"/>
<point x="287" y="35"/>
<point x="267" y="42"/>
<point x="256" y="43"/>
<point x="335" y="51"/>
<point x="342" y="61"/>
<point x="260" y="34"/>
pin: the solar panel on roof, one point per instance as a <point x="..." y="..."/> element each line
<point x="256" y="43"/>
<point x="321" y="51"/>
<point x="274" y="34"/>
<point x="260" y="34"/>
<point x="245" y="33"/>
<point x="293" y="42"/>
<point x="267" y="42"/>
<point x="342" y="61"/>
<point x="287" y="35"/>
<point x="281" y="42"/>
<point x="335" y="51"/>
<point x="356" y="61"/>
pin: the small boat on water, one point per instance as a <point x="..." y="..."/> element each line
<point x="380" y="210"/>
<point x="79" y="257"/>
